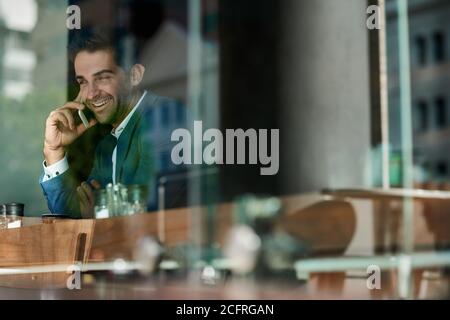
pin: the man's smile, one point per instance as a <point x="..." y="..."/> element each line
<point x="98" y="103"/>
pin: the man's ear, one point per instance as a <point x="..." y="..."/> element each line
<point x="136" y="74"/>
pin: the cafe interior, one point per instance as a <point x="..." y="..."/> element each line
<point x="351" y="96"/>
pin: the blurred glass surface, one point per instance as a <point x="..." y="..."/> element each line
<point x="307" y="68"/>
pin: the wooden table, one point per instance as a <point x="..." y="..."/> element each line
<point x="388" y="194"/>
<point x="157" y="289"/>
<point x="388" y="220"/>
<point x="57" y="242"/>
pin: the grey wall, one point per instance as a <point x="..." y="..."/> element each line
<point x="324" y="89"/>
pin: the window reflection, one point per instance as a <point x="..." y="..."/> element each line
<point x="293" y="65"/>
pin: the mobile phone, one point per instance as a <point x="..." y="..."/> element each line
<point x="85" y="115"/>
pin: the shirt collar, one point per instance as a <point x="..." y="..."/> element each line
<point x="116" y="132"/>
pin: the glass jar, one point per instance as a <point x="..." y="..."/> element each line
<point x="137" y="198"/>
<point x="3" y="218"/>
<point x="101" y="205"/>
<point x="11" y="215"/>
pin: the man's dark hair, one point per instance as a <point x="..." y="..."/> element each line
<point x="95" y="39"/>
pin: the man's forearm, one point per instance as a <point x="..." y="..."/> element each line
<point x="52" y="156"/>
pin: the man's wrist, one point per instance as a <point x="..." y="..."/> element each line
<point x="52" y="156"/>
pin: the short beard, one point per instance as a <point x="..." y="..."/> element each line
<point x="125" y="103"/>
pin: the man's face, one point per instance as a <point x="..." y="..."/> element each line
<point x="103" y="85"/>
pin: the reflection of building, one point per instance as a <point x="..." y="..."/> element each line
<point x="163" y="121"/>
<point x="429" y="28"/>
<point x="17" y="60"/>
<point x="49" y="41"/>
<point x="165" y="59"/>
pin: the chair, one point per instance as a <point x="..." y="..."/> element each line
<point x="327" y="227"/>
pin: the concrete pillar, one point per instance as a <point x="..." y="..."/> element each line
<point x="324" y="95"/>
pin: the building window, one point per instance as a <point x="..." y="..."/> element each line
<point x="441" y="168"/>
<point x="165" y="160"/>
<point x="165" y="116"/>
<point x="426" y="167"/>
<point x="422" y="115"/>
<point x="438" y="47"/>
<point x="180" y="116"/>
<point x="421" y="50"/>
<point x="150" y="117"/>
<point x="441" y="112"/>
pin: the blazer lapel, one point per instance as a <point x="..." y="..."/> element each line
<point x="124" y="145"/>
<point x="129" y="137"/>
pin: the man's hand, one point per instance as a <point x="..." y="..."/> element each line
<point x="87" y="198"/>
<point x="61" y="130"/>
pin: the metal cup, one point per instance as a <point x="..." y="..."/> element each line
<point x="12" y="209"/>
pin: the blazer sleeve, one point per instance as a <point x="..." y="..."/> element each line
<point x="61" y="194"/>
<point x="61" y="191"/>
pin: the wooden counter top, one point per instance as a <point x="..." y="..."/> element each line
<point x="325" y="225"/>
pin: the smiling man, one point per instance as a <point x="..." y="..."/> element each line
<point x="111" y="92"/>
